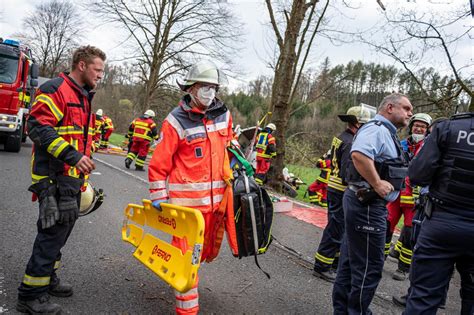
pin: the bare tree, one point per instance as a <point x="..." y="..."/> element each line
<point x="166" y="36"/>
<point x="52" y="30"/>
<point x="412" y="39"/>
<point x="300" y="23"/>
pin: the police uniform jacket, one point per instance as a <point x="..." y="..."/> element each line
<point x="445" y="162"/>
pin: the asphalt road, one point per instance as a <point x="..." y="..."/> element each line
<point x="107" y="279"/>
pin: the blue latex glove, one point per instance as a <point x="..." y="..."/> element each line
<point x="157" y="203"/>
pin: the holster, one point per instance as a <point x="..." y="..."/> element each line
<point x="366" y="195"/>
<point x="428" y="208"/>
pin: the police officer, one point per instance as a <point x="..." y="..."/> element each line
<point x="445" y="162"/>
<point x="375" y="176"/>
<point x="325" y="258"/>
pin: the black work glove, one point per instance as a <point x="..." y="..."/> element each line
<point x="68" y="209"/>
<point x="48" y="211"/>
<point x="68" y="201"/>
<point x="48" y="206"/>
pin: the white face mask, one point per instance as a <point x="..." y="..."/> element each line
<point x="417" y="138"/>
<point x="206" y="95"/>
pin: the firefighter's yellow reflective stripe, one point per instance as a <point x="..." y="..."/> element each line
<point x="68" y="130"/>
<point x="322" y="180"/>
<point x="140" y="123"/>
<point x="407" y="251"/>
<point x="139" y="162"/>
<point x="36" y="178"/>
<point x="73" y="172"/>
<point x="131" y="156"/>
<point x="91" y="131"/>
<point x="36" y="281"/>
<point x="262" y="141"/>
<point x="398" y="246"/>
<point x="57" y="146"/>
<point x="324" y="259"/>
<point x="405" y="260"/>
<point x="336" y="183"/>
<point x="142" y="136"/>
<point x="409" y="200"/>
<point x="48" y="101"/>
<point x="264" y="155"/>
<point x="57" y="264"/>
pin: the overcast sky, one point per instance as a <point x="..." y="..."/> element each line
<point x="256" y="46"/>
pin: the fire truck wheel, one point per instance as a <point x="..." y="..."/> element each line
<point x="13" y="143"/>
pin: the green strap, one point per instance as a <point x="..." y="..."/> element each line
<point x="246" y="164"/>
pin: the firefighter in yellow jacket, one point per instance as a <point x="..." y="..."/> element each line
<point x="190" y="166"/>
<point x="141" y="133"/>
<point x="266" y="150"/>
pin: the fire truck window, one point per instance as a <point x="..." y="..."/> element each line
<point x="8" y="69"/>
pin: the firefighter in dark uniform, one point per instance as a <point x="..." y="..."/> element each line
<point x="61" y="126"/>
<point x="446" y="238"/>
<point x="375" y="176"/>
<point x="325" y="259"/>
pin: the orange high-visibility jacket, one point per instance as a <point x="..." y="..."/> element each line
<point x="190" y="166"/>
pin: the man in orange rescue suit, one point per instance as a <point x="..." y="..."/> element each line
<point x="405" y="203"/>
<point x="61" y="126"/>
<point x="190" y="166"/>
<point x="141" y="132"/>
<point x="317" y="191"/>
<point x="266" y="150"/>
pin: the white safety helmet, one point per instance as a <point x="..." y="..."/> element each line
<point x="420" y="117"/>
<point x="205" y="72"/>
<point x="99" y="112"/>
<point x="149" y="113"/>
<point x="271" y="126"/>
<point x="91" y="199"/>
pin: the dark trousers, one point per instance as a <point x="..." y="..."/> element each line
<point x="445" y="239"/>
<point x="362" y="255"/>
<point x="46" y="253"/>
<point x="332" y="234"/>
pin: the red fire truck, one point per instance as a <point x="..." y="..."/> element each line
<point x="18" y="82"/>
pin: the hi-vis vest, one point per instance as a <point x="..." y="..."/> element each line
<point x="265" y="145"/>
<point x="108" y="124"/>
<point x="61" y="126"/>
<point x="143" y="128"/>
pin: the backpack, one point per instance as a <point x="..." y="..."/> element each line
<point x="253" y="210"/>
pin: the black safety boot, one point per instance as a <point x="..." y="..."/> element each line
<point x="400" y="275"/>
<point x="60" y="289"/>
<point x="139" y="168"/>
<point x="128" y="162"/>
<point x="328" y="275"/>
<point x="40" y="305"/>
<point x="394" y="253"/>
<point x="400" y="300"/>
